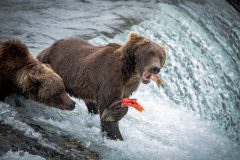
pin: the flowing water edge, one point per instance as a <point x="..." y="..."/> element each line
<point x="195" y="116"/>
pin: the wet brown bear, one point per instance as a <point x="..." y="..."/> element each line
<point x="105" y="74"/>
<point x="20" y="72"/>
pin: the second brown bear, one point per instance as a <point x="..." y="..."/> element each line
<point x="20" y="72"/>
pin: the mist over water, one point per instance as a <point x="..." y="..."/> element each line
<point x="195" y="115"/>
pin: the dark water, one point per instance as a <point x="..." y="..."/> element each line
<point x="39" y="23"/>
<point x="202" y="73"/>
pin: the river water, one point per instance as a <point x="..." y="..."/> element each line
<point x="195" y="115"/>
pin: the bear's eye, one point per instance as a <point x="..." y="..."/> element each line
<point x="152" y="53"/>
<point x="56" y="99"/>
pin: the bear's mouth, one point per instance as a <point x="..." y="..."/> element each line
<point x="146" y="77"/>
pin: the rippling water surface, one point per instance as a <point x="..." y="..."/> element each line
<point x="196" y="115"/>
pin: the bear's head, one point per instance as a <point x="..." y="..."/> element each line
<point x="45" y="86"/>
<point x="143" y="56"/>
<point x="32" y="78"/>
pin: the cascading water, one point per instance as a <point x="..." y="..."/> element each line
<point x="203" y="64"/>
<point x="201" y="91"/>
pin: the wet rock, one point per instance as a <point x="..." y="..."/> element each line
<point x="235" y="4"/>
<point x="69" y="149"/>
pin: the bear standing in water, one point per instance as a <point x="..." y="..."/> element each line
<point x="20" y="72"/>
<point x="103" y="75"/>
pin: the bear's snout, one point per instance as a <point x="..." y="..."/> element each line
<point x="69" y="105"/>
<point x="72" y="105"/>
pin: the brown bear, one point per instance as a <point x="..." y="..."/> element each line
<point x="20" y="72"/>
<point x="103" y="75"/>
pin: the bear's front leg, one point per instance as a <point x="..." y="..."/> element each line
<point x="111" y="130"/>
<point x="109" y="120"/>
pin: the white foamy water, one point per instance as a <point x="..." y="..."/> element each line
<point x="20" y="155"/>
<point x="162" y="131"/>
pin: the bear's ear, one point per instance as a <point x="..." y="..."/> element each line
<point x="34" y="81"/>
<point x="137" y="40"/>
<point x="133" y="36"/>
<point x="28" y="85"/>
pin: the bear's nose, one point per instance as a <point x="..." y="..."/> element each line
<point x="155" y="69"/>
<point x="71" y="106"/>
